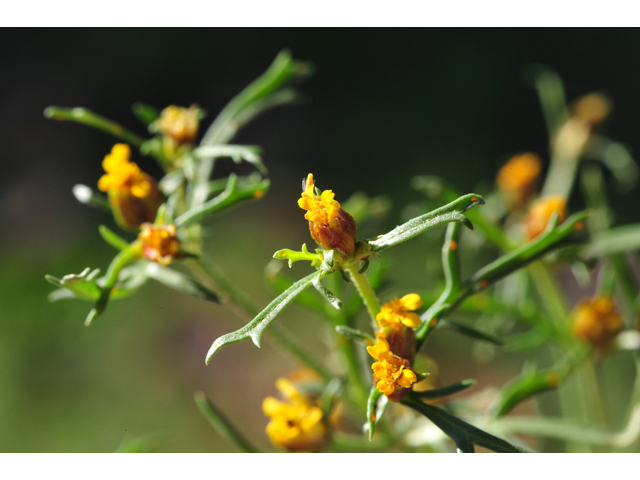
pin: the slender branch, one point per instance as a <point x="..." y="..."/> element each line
<point x="369" y="298"/>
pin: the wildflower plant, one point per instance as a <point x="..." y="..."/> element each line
<point x="384" y="380"/>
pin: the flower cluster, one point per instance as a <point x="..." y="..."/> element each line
<point x="517" y="178"/>
<point x="541" y="212"/>
<point x="399" y="312"/>
<point x="391" y="373"/>
<point x="296" y="424"/>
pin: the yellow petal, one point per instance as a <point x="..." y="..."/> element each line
<point x="271" y="406"/>
<point x="411" y="301"/>
<point x="411" y="320"/>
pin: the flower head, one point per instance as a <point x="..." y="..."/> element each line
<point x="398" y="312"/>
<point x="541" y="212"/>
<point x="159" y="243"/>
<point x="179" y="123"/>
<point x="133" y="194"/>
<point x="296" y="424"/>
<point x="517" y="178"/>
<point x="596" y="320"/>
<point x="330" y="226"/>
<point x="391" y="373"/>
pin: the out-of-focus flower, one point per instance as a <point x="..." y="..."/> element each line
<point x="596" y="320"/>
<point x="159" y="242"/>
<point x="133" y="194"/>
<point x="398" y="312"/>
<point x="517" y="178"/>
<point x="330" y="226"/>
<point x="392" y="374"/>
<point x="179" y="123"/>
<point x="296" y="424"/>
<point x="587" y="113"/>
<point x="541" y="212"/>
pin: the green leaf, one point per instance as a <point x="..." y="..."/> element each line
<point x="112" y="238"/>
<point x="376" y="406"/>
<point x="292" y="256"/>
<point x="255" y="327"/>
<point x="238" y="153"/>
<point x="255" y="99"/>
<point x="356" y="335"/>
<point x="523" y="387"/>
<point x="614" y="240"/>
<point x="463" y="434"/>
<point x="145" y="113"/>
<point x="446" y="390"/>
<point x="470" y="332"/>
<point x="527" y="253"/>
<point x="280" y="282"/>
<point x="222" y="425"/>
<point x="231" y="196"/>
<point x="89" y="197"/>
<point x="453" y="212"/>
<point x="87" y="117"/>
<point x="82" y="286"/>
<point x="177" y="281"/>
<point x="326" y="293"/>
<point x="146" y="444"/>
<point x="329" y="394"/>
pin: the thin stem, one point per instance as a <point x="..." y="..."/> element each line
<point x="369" y="298"/>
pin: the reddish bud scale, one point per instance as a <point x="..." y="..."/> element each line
<point x="339" y="233"/>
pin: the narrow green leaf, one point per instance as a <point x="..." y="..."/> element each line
<point x="178" y="281"/>
<point x="448" y="213"/>
<point x="87" y="117"/>
<point x="356" y="335"/>
<point x="470" y="332"/>
<point x="226" y="199"/>
<point x="238" y="153"/>
<point x="446" y="390"/>
<point x="255" y="327"/>
<point x="292" y="256"/>
<point x="89" y="197"/>
<point x="527" y="253"/>
<point x="145" y="113"/>
<point x="234" y="116"/>
<point x="326" y="293"/>
<point x="222" y="425"/>
<point x="521" y="388"/>
<point x="112" y="238"/>
<point x="614" y="240"/>
<point x="458" y="430"/>
<point x="280" y="282"/>
<point x="376" y="406"/>
<point x="328" y="396"/>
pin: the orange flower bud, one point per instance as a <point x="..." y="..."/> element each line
<point x="330" y="226"/>
<point x="517" y="178"/>
<point x="133" y="194"/>
<point x="541" y="212"/>
<point x="596" y="320"/>
<point x="179" y="123"/>
<point x="159" y="243"/>
<point x="593" y="109"/>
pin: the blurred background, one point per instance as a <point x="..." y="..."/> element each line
<point x="384" y="106"/>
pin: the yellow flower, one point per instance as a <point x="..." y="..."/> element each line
<point x="540" y="213"/>
<point x="179" y="123"/>
<point x="517" y="178"/>
<point x="391" y="373"/>
<point x="397" y="312"/>
<point x="133" y="194"/>
<point x="296" y="424"/>
<point x="593" y="109"/>
<point x="159" y="243"/>
<point x="596" y="320"/>
<point x="330" y="226"/>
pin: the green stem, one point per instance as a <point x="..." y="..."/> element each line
<point x="87" y="117"/>
<point x="244" y="308"/>
<point x="222" y="425"/>
<point x="369" y="298"/>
